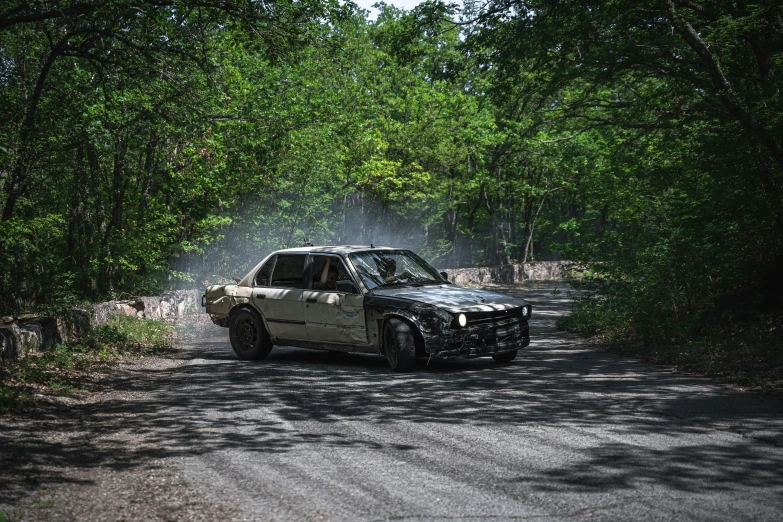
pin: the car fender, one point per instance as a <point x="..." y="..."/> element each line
<point x="429" y="322"/>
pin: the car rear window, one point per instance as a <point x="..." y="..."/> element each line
<point x="289" y="271"/>
<point x="263" y="275"/>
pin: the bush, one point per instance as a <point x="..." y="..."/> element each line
<point x="131" y="334"/>
<point x="745" y="348"/>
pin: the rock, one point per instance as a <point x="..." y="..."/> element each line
<point x="50" y="331"/>
<point x="100" y="312"/>
<point x="509" y="274"/>
<point x="167" y="306"/>
<point x="32" y="338"/>
<point x="544" y="270"/>
<point x="154" y="308"/>
<point x="124" y="309"/>
<point x="73" y="325"/>
<point x="30" y="332"/>
<point x="10" y="339"/>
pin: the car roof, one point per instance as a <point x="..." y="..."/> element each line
<point x="340" y="249"/>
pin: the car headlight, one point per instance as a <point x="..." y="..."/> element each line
<point x="525" y="312"/>
<point x="462" y="319"/>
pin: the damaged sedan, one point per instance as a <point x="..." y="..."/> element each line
<point x="375" y="300"/>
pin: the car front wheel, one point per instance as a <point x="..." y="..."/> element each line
<point x="399" y="345"/>
<point x="505" y="357"/>
<point x="248" y="336"/>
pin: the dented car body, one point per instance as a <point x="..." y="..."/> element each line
<point x="382" y="300"/>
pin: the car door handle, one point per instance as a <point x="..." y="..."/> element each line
<point x="312" y="300"/>
<point x="260" y="296"/>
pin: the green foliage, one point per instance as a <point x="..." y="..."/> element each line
<point x="127" y="334"/>
<point x="15" y="399"/>
<point x="643" y="140"/>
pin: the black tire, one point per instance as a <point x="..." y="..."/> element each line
<point x="399" y="345"/>
<point x="248" y="336"/>
<point x="505" y="357"/>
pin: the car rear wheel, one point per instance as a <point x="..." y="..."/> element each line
<point x="399" y="345"/>
<point x="248" y="336"/>
<point x="505" y="357"/>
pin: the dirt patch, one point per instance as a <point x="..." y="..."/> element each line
<point x="64" y="460"/>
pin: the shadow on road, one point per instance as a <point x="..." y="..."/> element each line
<point x="558" y="384"/>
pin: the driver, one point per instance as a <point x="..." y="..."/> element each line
<point x="386" y="269"/>
<point x="329" y="276"/>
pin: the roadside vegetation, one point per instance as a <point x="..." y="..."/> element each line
<point x="68" y="370"/>
<point x="156" y="145"/>
<point x="739" y="344"/>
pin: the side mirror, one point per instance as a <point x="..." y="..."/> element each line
<point x="444" y="275"/>
<point x="347" y="287"/>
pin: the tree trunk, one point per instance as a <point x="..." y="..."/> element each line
<point x="149" y="167"/>
<point x="529" y="245"/>
<point x="345" y="218"/>
<point x="119" y="187"/>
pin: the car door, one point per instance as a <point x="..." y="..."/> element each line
<point x="278" y="292"/>
<point x="332" y="316"/>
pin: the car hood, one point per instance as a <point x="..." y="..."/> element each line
<point x="453" y="298"/>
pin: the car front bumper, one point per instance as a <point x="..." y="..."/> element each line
<point x="480" y="341"/>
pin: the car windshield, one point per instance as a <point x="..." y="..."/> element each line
<point x="393" y="267"/>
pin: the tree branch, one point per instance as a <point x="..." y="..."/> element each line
<point x="721" y="84"/>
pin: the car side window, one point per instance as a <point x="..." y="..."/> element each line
<point x="288" y="271"/>
<point x="264" y="275"/>
<point x="342" y="274"/>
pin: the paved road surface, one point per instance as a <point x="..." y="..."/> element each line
<point x="566" y="431"/>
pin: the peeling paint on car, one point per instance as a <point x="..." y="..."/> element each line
<point x="453" y="298"/>
<point x="436" y="325"/>
<point x="335" y="317"/>
<point x="340" y="310"/>
<point x="221" y="306"/>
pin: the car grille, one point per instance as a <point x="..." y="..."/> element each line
<point x="497" y="318"/>
<point x="489" y="332"/>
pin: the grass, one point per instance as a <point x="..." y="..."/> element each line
<point x="69" y="369"/>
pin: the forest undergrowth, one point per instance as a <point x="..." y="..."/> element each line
<point x="73" y="370"/>
<point x="737" y="344"/>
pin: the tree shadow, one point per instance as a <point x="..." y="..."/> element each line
<point x="217" y="403"/>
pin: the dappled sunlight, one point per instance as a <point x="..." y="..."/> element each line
<point x="559" y="384"/>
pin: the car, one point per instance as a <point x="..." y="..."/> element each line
<point x="366" y="299"/>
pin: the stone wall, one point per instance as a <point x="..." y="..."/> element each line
<point x="27" y="333"/>
<point x="509" y="274"/>
<point x="166" y="306"/>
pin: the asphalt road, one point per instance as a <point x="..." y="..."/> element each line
<point x="566" y="431"/>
